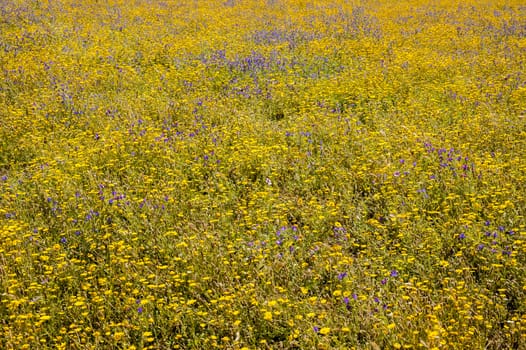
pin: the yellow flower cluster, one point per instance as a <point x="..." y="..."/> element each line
<point x="278" y="174"/>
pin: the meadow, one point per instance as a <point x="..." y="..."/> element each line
<point x="279" y="174"/>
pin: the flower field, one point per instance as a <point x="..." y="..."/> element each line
<point x="250" y="174"/>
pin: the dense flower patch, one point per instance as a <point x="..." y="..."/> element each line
<point x="262" y="174"/>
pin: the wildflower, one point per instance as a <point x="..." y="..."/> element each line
<point x="325" y="330"/>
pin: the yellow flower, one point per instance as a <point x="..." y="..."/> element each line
<point x="267" y="316"/>
<point x="325" y="330"/>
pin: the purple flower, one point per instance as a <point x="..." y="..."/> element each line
<point x="140" y="310"/>
<point x="486" y="223"/>
<point x="316" y="329"/>
<point x="338" y="230"/>
<point x="480" y="246"/>
<point x="63" y="240"/>
<point x="346" y="300"/>
<point x="342" y="275"/>
<point x="462" y="235"/>
<point x="394" y="273"/>
<point x="354" y="296"/>
<point x="384" y="281"/>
